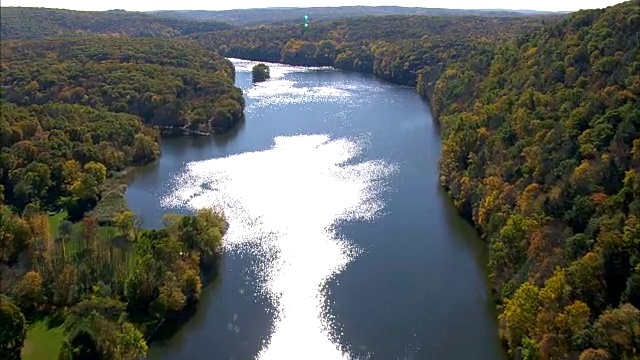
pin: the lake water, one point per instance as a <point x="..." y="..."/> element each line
<point x="341" y="244"/>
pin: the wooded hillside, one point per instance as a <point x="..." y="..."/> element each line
<point x="168" y="83"/>
<point x="295" y="15"/>
<point x="544" y="156"/>
<point x="35" y="23"/>
<point x="75" y="113"/>
<point x="395" y="48"/>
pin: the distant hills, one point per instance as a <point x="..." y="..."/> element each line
<point x="275" y="15"/>
<point x="35" y="23"/>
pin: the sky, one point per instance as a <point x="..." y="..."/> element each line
<point x="146" y="5"/>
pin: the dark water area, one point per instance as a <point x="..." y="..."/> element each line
<point x="341" y="244"/>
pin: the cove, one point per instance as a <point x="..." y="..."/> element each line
<point x="341" y="244"/>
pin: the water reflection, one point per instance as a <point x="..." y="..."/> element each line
<point x="227" y="138"/>
<point x="282" y="204"/>
<point x="171" y="327"/>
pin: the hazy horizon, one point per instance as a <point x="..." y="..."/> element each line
<point x="542" y="5"/>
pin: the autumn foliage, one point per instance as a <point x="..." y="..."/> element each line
<point x="554" y="122"/>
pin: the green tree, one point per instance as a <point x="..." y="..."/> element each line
<point x="586" y="278"/>
<point x="128" y="343"/>
<point x="96" y="327"/>
<point x="595" y="354"/>
<point x="128" y="224"/>
<point x="618" y="331"/>
<point x="144" y="150"/>
<point x="203" y="232"/>
<point x="13" y="330"/>
<point x="29" y="290"/>
<point x="88" y="188"/>
<point x="14" y="236"/>
<point x="520" y="314"/>
<point x="170" y="298"/>
<point x="71" y="172"/>
<point x="260" y="72"/>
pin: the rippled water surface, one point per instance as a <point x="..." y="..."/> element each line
<point x="340" y="245"/>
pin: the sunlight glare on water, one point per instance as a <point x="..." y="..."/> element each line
<point x="283" y="204"/>
<point x="276" y="71"/>
<point x="278" y="92"/>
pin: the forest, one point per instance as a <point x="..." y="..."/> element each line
<point x="58" y="156"/>
<point x="294" y="15"/>
<point x="540" y="119"/>
<point x="110" y="289"/>
<point x="541" y="151"/>
<point x="403" y="49"/>
<point x="169" y="84"/>
<point x="76" y="267"/>
<point x="109" y="286"/>
<point x="36" y="23"/>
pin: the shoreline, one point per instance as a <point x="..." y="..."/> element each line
<point x="425" y="97"/>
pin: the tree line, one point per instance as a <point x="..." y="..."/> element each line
<point x="281" y="16"/>
<point x="395" y="48"/>
<point x="75" y="114"/>
<point x="35" y="23"/>
<point x="172" y="84"/>
<point x="111" y="300"/>
<point x="541" y="151"/>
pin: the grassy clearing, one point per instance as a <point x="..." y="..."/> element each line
<point x="43" y="341"/>
<point x="112" y="203"/>
<point x="55" y="221"/>
<point x="75" y="242"/>
<point x="113" y="200"/>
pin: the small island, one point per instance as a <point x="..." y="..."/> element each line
<point x="260" y="73"/>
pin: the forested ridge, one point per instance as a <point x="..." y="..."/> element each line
<point x="76" y="114"/>
<point x="35" y="23"/>
<point x="404" y="49"/>
<point x="544" y="157"/>
<point x="168" y="83"/>
<point x="295" y="15"/>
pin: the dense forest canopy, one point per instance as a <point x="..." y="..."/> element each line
<point x="544" y="156"/>
<point x="76" y="113"/>
<point x="290" y="15"/>
<point x="110" y="300"/>
<point x="59" y="155"/>
<point x="372" y="28"/>
<point x="34" y="23"/>
<point x="168" y="83"/>
<point x="260" y="72"/>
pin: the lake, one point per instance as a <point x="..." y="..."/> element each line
<point x="341" y="244"/>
